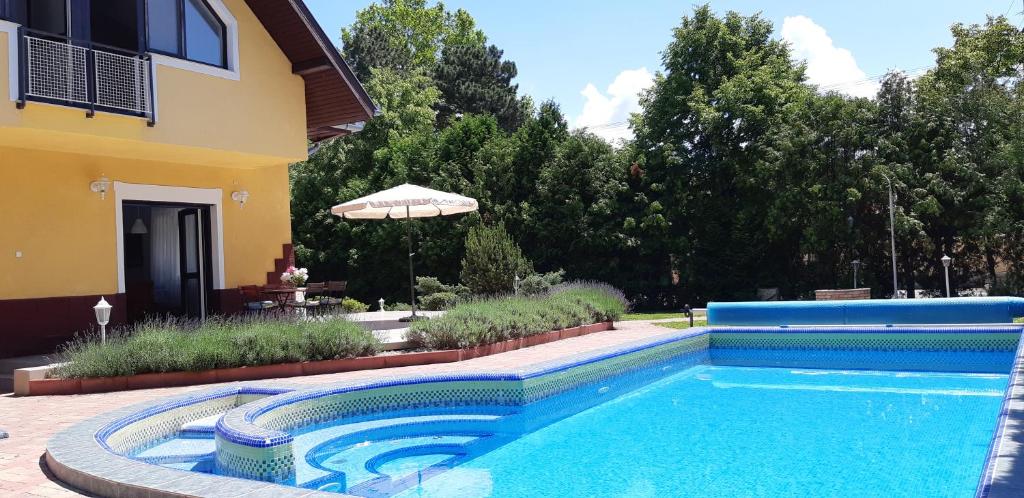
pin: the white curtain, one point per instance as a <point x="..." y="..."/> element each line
<point x="164" y="265"/>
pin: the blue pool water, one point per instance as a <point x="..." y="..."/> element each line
<point x="705" y="430"/>
<point x="668" y="429"/>
<point x="736" y="431"/>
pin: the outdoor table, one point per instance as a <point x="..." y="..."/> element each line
<point x="281" y="294"/>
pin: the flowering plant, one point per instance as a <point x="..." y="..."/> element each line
<point x="295" y="276"/>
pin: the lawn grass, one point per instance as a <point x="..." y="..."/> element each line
<point x="650" y="315"/>
<point x="685" y="324"/>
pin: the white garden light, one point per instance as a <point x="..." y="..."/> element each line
<point x="102" y="310"/>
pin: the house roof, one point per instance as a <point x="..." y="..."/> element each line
<point x="335" y="100"/>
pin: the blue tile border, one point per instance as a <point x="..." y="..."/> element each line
<point x="239" y="426"/>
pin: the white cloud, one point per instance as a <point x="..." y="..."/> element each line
<point x="606" y="114"/>
<point x="828" y="66"/>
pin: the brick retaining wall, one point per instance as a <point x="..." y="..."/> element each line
<point x="842" y="294"/>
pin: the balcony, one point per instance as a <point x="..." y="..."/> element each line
<point x="58" y="70"/>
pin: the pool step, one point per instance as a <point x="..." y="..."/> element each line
<point x="202" y="428"/>
<point x="364" y="454"/>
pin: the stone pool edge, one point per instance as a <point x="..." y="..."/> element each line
<point x="1003" y="474"/>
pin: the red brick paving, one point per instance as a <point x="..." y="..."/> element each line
<point x="31" y="421"/>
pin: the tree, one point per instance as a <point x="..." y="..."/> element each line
<point x="492" y="261"/>
<point x="395" y="147"/>
<point x="708" y="136"/>
<point x="475" y="79"/>
<point x="405" y="35"/>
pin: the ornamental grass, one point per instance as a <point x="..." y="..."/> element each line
<point x="178" y="345"/>
<point x="494" y="320"/>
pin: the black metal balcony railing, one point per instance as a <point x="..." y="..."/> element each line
<point x="59" y="70"/>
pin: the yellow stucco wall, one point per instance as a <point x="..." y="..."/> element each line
<point x="256" y="121"/>
<point x="66" y="233"/>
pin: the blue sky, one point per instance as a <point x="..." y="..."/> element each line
<point x="593" y="56"/>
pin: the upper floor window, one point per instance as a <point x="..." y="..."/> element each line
<point x="188" y="29"/>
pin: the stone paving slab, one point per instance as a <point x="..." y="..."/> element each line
<point x="34" y="420"/>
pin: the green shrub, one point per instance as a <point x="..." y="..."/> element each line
<point x="173" y="345"/>
<point x="494" y="320"/>
<point x="539" y="283"/>
<point x="349" y="305"/>
<point x="397" y="307"/>
<point x="492" y="261"/>
<point x="438" y="301"/>
<point x="434" y="295"/>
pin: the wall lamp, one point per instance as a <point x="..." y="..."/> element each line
<point x="240" y="196"/>
<point x="100" y="186"/>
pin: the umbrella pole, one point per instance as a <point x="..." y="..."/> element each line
<point x="412" y="279"/>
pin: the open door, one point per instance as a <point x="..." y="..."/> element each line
<point x="193" y="237"/>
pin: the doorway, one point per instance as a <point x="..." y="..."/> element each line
<point x="167" y="259"/>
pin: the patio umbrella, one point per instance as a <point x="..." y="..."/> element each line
<point x="406" y="201"/>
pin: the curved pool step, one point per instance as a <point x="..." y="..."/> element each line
<point x="359" y="453"/>
<point x="203" y="428"/>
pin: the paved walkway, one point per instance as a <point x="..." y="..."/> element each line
<point x="31" y="421"/>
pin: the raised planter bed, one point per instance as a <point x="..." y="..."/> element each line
<point x="45" y="387"/>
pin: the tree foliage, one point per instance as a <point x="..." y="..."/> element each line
<point x="741" y="175"/>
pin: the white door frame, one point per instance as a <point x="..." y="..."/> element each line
<point x="212" y="197"/>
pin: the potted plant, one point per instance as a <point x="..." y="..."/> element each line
<point x="295" y="277"/>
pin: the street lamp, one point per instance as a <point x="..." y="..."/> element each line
<point x="946" y="260"/>
<point x="892" y="235"/>
<point x="102" y="310"/>
<point x="856" y="268"/>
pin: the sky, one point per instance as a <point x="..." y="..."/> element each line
<point x="594" y="56"/>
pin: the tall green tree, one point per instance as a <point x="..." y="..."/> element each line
<point x="708" y="133"/>
<point x="405" y="35"/>
<point x="474" y="79"/>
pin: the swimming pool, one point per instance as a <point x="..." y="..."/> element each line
<point x="908" y="412"/>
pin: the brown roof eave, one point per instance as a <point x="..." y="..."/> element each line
<point x="335" y="57"/>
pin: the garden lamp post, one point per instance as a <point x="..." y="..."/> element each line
<point x="381" y="303"/>
<point x="856" y="268"/>
<point x="102" y="310"/>
<point x="892" y="235"/>
<point x="946" y="260"/>
<point x="515" y="285"/>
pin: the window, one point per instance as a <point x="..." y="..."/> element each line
<point x="50" y="16"/>
<point x="188" y="29"/>
<point x="163" y="21"/>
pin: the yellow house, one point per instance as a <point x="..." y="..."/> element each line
<point x="144" y="150"/>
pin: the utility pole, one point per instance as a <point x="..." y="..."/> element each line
<point x="892" y="234"/>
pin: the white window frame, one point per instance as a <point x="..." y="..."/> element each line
<point x="13" y="81"/>
<point x="231" y="72"/>
<point x="212" y="197"/>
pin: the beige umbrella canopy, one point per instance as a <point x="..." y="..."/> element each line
<point x="406" y="201"/>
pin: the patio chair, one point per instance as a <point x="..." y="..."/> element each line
<point x="312" y="301"/>
<point x="253" y="301"/>
<point x="334" y="294"/>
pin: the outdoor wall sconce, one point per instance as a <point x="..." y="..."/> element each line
<point x="240" y="196"/>
<point x="100" y="186"/>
